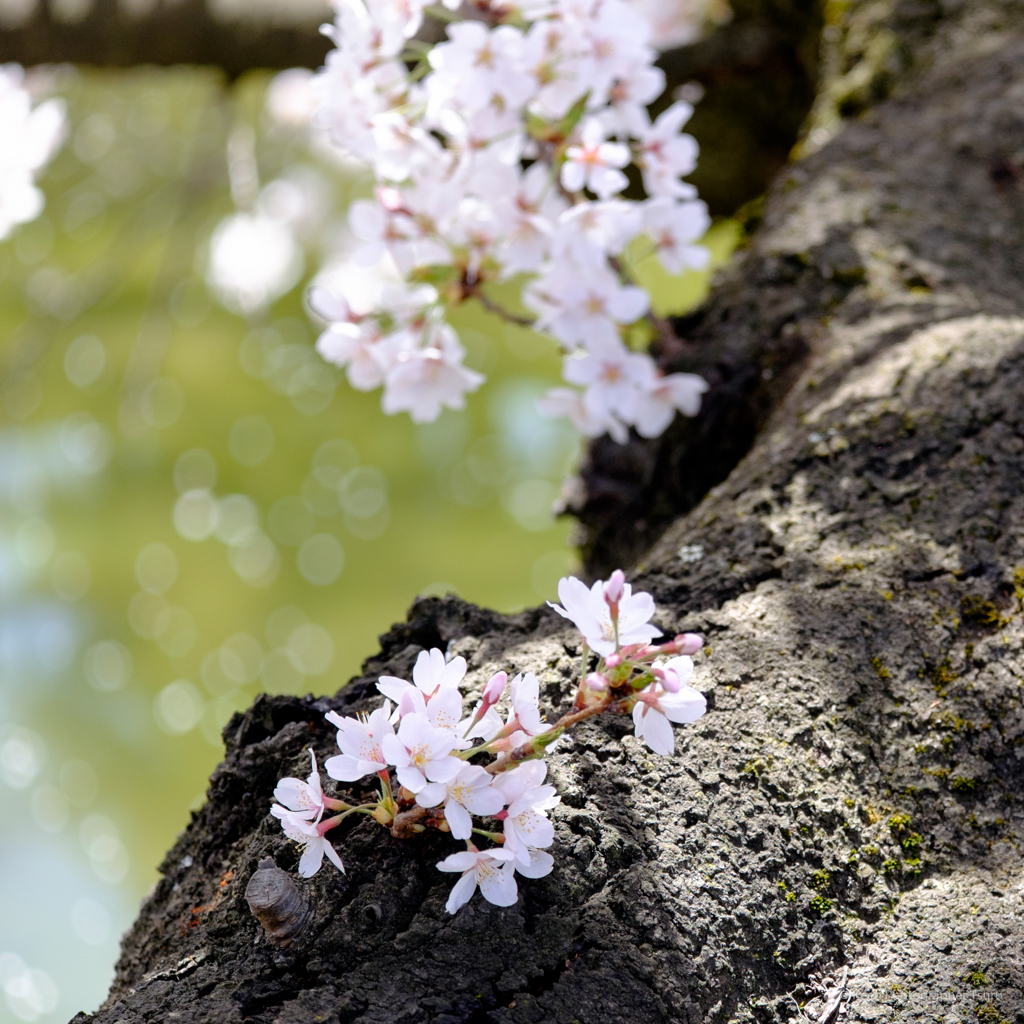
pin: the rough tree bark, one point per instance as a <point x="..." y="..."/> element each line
<point x="840" y="836"/>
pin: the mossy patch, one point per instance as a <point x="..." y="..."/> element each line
<point x="980" y="612"/>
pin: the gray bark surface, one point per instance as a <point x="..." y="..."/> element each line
<point x="839" y="838"/>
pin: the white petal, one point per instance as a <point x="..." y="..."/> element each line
<point x="461" y="892"/>
<point x="432" y="794"/>
<point x="332" y="856"/>
<point x="411" y="778"/>
<point x="458" y="820"/>
<point x="685" y="706"/>
<point x="312" y="858"/>
<point x="657" y="732"/>
<point x="540" y="864"/>
<point x="344" y="768"/>
<point x="464" y="861"/>
<point x="499" y="887"/>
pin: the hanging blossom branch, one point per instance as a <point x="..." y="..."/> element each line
<point x="500" y="155"/>
<point x="31" y="137"/>
<point x="441" y="769"/>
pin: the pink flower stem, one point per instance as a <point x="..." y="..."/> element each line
<point x="326" y="826"/>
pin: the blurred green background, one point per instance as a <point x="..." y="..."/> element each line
<point x="194" y="507"/>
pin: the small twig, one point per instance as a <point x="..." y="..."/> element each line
<point x="492" y="307"/>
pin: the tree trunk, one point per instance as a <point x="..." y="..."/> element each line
<point x="840" y="836"/>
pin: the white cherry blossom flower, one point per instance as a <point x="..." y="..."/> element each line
<point x="490" y="869"/>
<point x="675" y="227"/>
<point x="469" y="792"/>
<point x="304" y="799"/>
<point x="664" y="395"/>
<point x="524" y="713"/>
<point x="359" y="741"/>
<point x="421" y="753"/>
<point x="431" y="674"/>
<point x="588" y="417"/>
<point x="308" y="836"/>
<point x="595" y="163"/>
<point x="31" y="137"/>
<point x="657" y="707"/>
<point x="527" y="826"/>
<point x="426" y="379"/>
<point x="583" y="306"/>
<point x="615" y="378"/>
<point x="629" y="98"/>
<point x="589" y="611"/>
<point x="665" y="154"/>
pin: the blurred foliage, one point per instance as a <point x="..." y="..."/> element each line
<point x="194" y="507"/>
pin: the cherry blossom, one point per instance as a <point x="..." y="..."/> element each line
<point x="586" y="415"/>
<point x="433" y="691"/>
<point x="662" y="397"/>
<point x="420" y="752"/>
<point x="442" y="782"/>
<point x="616" y="379"/>
<point x="588" y="609"/>
<point x="31" y="137"/>
<point x="490" y="869"/>
<point x="675" y="228"/>
<point x="470" y="792"/>
<point x="360" y="742"/>
<point x="308" y="835"/>
<point x="657" y="706"/>
<point x="305" y="799"/>
<point x="524" y="713"/>
<point x="595" y="163"/>
<point x="666" y="155"/>
<point x="527" y="827"/>
<point x="486" y="157"/>
<point x="425" y="379"/>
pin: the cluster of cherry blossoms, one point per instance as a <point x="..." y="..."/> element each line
<point x="439" y="767"/>
<point x="31" y="136"/>
<point x="501" y="154"/>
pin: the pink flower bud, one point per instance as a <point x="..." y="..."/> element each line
<point x="495" y="687"/>
<point x="596" y="681"/>
<point x="684" y="643"/>
<point x="613" y="660"/>
<point x="615" y="586"/>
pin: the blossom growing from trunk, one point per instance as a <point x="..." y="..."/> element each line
<point x="360" y="742"/>
<point x="434" y="690"/>
<point x="591" y="614"/>
<point x="421" y="753"/>
<point x="470" y="792"/>
<point x="308" y="835"/>
<point x="305" y="799"/>
<point x="524" y="713"/>
<point x="443" y="785"/>
<point x="490" y="869"/>
<point x="670" y="701"/>
<point x="527" y="826"/>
